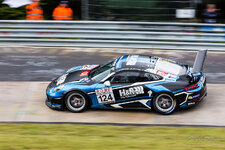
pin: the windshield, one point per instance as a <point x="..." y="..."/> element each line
<point x="102" y="72"/>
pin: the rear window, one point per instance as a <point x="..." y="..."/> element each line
<point x="171" y="67"/>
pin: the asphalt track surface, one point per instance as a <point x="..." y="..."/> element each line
<point x="26" y="71"/>
<point x="45" y="63"/>
<point x="24" y="102"/>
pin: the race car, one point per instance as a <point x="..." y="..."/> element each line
<point x="130" y="82"/>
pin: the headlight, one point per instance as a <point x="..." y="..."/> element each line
<point x="59" y="88"/>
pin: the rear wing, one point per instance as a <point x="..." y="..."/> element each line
<point x="199" y="61"/>
<point x="196" y="72"/>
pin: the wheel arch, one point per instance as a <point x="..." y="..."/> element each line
<point x="161" y="92"/>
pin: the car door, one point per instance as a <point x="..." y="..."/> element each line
<point x="127" y="85"/>
<point x="105" y="94"/>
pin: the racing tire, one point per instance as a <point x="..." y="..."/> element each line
<point x="76" y="101"/>
<point x="164" y="103"/>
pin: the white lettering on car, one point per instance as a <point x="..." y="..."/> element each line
<point x="153" y="60"/>
<point x="131" y="92"/>
<point x="191" y="103"/>
<point x="131" y="60"/>
<point x="150" y="93"/>
<point x="88" y="67"/>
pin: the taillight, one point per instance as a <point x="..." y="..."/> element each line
<point x="195" y="86"/>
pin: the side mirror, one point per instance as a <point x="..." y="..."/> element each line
<point x="107" y="83"/>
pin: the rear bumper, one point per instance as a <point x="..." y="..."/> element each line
<point x="195" y="101"/>
<point x="192" y="97"/>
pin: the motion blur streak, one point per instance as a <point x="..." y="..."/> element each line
<point x="46" y="63"/>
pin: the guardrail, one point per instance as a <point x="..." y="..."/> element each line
<point x="157" y="35"/>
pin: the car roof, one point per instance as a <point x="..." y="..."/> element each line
<point x="145" y="62"/>
<point x="136" y="61"/>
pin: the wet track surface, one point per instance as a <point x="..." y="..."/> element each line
<point x="43" y="64"/>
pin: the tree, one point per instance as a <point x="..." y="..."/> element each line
<point x="7" y="13"/>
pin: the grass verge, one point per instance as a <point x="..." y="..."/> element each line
<point x="108" y="137"/>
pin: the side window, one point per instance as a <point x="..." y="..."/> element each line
<point x="150" y="76"/>
<point x="126" y="77"/>
<point x="134" y="76"/>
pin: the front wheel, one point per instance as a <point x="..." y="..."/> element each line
<point x="164" y="103"/>
<point x="76" y="101"/>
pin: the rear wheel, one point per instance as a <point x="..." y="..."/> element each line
<point x="76" y="101"/>
<point x="164" y="103"/>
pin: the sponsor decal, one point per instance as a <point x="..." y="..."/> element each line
<point x="61" y="79"/>
<point x="150" y="93"/>
<point x="84" y="73"/>
<point x="105" y="96"/>
<point x="147" y="60"/>
<point x="153" y="60"/>
<point x="88" y="67"/>
<point x="164" y="60"/>
<point x="168" y="60"/>
<point x="131" y="60"/>
<point x="164" y="74"/>
<point x="131" y="92"/>
<point x="194" y="96"/>
<point x="191" y="103"/>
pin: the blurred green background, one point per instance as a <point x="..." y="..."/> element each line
<point x="108" y="137"/>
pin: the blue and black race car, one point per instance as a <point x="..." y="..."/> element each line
<point x="130" y="82"/>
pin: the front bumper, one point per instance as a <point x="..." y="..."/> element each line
<point x="55" y="103"/>
<point x="54" y="100"/>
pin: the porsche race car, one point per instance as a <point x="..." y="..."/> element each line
<point x="130" y="82"/>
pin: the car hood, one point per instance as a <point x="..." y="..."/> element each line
<point x="76" y="74"/>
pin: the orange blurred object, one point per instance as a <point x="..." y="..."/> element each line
<point x="34" y="11"/>
<point x="62" y="13"/>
